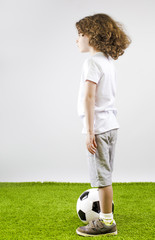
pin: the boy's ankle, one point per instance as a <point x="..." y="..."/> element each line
<point x="107" y="218"/>
<point x="108" y="223"/>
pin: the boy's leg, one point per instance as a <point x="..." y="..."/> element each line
<point x="106" y="197"/>
<point x="106" y="192"/>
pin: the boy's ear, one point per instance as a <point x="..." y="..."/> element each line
<point x="90" y="89"/>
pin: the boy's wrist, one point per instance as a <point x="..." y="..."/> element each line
<point x="90" y="132"/>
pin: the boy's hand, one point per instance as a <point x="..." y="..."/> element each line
<point x="91" y="143"/>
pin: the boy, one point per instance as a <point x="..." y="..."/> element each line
<point x="104" y="39"/>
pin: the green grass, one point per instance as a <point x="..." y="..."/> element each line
<point x="48" y="210"/>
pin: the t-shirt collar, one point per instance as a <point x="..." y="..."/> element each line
<point x="97" y="53"/>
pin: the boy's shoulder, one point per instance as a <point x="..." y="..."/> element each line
<point x="93" y="62"/>
<point x="90" y="60"/>
<point x="97" y="59"/>
<point x="98" y="63"/>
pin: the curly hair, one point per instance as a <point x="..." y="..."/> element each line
<point x="105" y="34"/>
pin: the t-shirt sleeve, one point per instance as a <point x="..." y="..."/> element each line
<point x="91" y="71"/>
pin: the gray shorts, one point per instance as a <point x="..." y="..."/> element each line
<point x="101" y="163"/>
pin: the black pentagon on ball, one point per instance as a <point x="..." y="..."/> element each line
<point x="84" y="195"/>
<point x="82" y="215"/>
<point x="112" y="207"/>
<point x="96" y="207"/>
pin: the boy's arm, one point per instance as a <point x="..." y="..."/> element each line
<point x="89" y="103"/>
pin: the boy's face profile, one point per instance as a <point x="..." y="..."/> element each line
<point x="83" y="43"/>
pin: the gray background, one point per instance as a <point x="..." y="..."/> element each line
<point x="40" y="131"/>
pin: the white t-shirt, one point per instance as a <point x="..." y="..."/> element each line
<point x="100" y="70"/>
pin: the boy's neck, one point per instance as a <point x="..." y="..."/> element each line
<point x="93" y="51"/>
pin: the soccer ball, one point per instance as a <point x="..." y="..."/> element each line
<point x="88" y="207"/>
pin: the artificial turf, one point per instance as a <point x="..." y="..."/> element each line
<point x="35" y="210"/>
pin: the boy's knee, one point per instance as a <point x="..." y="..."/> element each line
<point x="104" y="186"/>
